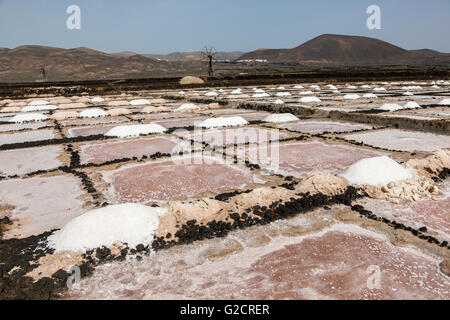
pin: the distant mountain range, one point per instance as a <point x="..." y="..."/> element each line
<point x="23" y="64"/>
<point x="349" y="50"/>
<point x="185" y="56"/>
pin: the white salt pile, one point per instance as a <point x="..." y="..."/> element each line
<point x="223" y="122"/>
<point x="281" y="88"/>
<point x="129" y="223"/>
<point x="445" y="102"/>
<point x="435" y="87"/>
<point x="365" y="86"/>
<point x="256" y="90"/>
<point x="305" y="93"/>
<point x="351" y="87"/>
<point x="39" y="108"/>
<point x="28" y="117"/>
<point x="97" y="99"/>
<point x="283" y="94"/>
<point x="279" y="101"/>
<point x="412" y="88"/>
<point x="140" y="102"/>
<point x="236" y="91"/>
<point x="310" y="99"/>
<point x="314" y="86"/>
<point x="93" y="113"/>
<point x="352" y="96"/>
<point x="279" y="118"/>
<point x="370" y="95"/>
<point x="378" y="171"/>
<point x="381" y="89"/>
<point x="186" y="107"/>
<point x="181" y="92"/>
<point x="136" y="130"/>
<point x="298" y="87"/>
<point x="411" y="105"/>
<point x="391" y="107"/>
<point x="261" y="95"/>
<point x="38" y="103"/>
<point x="211" y="94"/>
<point x="408" y="93"/>
<point x="332" y="87"/>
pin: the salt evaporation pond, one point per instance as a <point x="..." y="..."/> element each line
<point x="402" y="140"/>
<point x="168" y="179"/>
<point x="41" y="204"/>
<point x="103" y="152"/>
<point x="23" y="161"/>
<point x="219" y="137"/>
<point x="430" y="213"/>
<point x="298" y="159"/>
<point x="323" y="126"/>
<point x="335" y="263"/>
<point x="23" y="126"/>
<point x="28" y="136"/>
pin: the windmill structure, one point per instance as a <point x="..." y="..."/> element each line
<point x="208" y="55"/>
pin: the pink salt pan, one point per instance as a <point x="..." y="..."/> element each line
<point x="323" y="126"/>
<point x="433" y="214"/>
<point x="168" y="179"/>
<point x="344" y="262"/>
<point x="41" y="204"/>
<point x="219" y="137"/>
<point x="302" y="158"/>
<point x="22" y="161"/>
<point x="403" y="140"/>
<point x="126" y="149"/>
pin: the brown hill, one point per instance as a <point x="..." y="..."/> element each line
<point x="348" y="50"/>
<point x="24" y="64"/>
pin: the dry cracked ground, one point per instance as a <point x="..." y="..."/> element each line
<point x="254" y="212"/>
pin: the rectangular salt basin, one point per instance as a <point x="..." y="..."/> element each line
<point x="185" y="176"/>
<point x="336" y="263"/>
<point x="29" y="136"/>
<point x="303" y="158"/>
<point x="41" y="204"/>
<point x="323" y="126"/>
<point x="231" y="112"/>
<point x="103" y="152"/>
<point x="23" y="161"/>
<point x="220" y="137"/>
<point x="433" y="214"/>
<point x="159" y="115"/>
<point x="22" y="126"/>
<point x="401" y="140"/>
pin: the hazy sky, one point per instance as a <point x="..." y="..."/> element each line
<point x="163" y="26"/>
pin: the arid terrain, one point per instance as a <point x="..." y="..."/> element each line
<point x="25" y="63"/>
